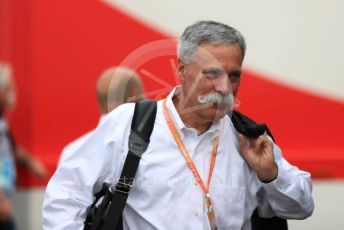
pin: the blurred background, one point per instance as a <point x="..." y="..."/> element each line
<point x="293" y="78"/>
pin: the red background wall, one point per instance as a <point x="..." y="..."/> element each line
<point x="59" y="48"/>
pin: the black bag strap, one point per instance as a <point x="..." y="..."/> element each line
<point x="248" y="127"/>
<point x="141" y="130"/>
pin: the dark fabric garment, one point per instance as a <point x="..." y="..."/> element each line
<point x="7" y="161"/>
<point x="276" y="223"/>
<point x="7" y="225"/>
<point x="8" y="134"/>
<point x="250" y="128"/>
<point x="7" y="146"/>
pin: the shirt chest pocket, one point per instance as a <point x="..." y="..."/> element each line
<point x="229" y="204"/>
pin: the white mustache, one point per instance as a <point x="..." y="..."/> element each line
<point x="216" y="98"/>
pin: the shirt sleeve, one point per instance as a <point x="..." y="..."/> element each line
<point x="72" y="147"/>
<point x="70" y="190"/>
<point x="289" y="195"/>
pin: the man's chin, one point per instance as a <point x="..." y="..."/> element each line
<point x="220" y="114"/>
<point x="220" y="110"/>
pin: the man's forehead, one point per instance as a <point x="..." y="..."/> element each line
<point x="217" y="56"/>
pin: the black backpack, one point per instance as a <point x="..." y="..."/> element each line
<point x="108" y="214"/>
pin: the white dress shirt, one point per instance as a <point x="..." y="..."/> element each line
<point x="74" y="145"/>
<point x="165" y="193"/>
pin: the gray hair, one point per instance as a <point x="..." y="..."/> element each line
<point x="207" y="32"/>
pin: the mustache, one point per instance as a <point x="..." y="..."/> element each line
<point x="216" y="98"/>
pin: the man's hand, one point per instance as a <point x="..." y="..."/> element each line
<point x="35" y="166"/>
<point x="259" y="155"/>
<point x="5" y="208"/>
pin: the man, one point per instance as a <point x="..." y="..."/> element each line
<point x="198" y="172"/>
<point x="115" y="86"/>
<point x="10" y="153"/>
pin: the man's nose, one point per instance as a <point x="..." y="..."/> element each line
<point x="222" y="85"/>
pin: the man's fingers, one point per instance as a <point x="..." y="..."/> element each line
<point x="244" y="143"/>
<point x="258" y="144"/>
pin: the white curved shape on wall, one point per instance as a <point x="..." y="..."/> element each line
<point x="298" y="43"/>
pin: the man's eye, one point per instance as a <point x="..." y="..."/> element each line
<point x="234" y="77"/>
<point x="212" y="73"/>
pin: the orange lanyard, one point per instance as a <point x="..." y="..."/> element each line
<point x="187" y="157"/>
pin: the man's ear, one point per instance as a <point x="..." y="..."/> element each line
<point x="180" y="69"/>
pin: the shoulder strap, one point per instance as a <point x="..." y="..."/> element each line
<point x="141" y="130"/>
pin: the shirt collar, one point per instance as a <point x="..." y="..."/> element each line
<point x="172" y="109"/>
<point x="214" y="128"/>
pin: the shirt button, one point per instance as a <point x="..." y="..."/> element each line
<point x="195" y="213"/>
<point x="196" y="183"/>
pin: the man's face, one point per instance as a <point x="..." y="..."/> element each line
<point x="7" y="94"/>
<point x="212" y="69"/>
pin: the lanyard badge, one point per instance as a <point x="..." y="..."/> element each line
<point x="181" y="146"/>
<point x="211" y="213"/>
